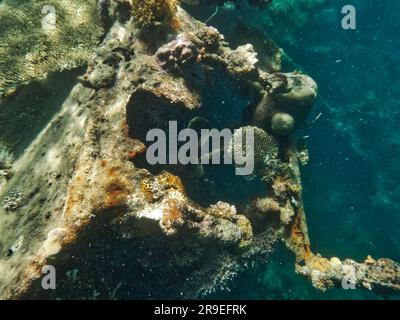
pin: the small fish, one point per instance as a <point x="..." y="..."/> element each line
<point x="250" y="177"/>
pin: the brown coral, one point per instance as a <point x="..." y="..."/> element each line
<point x="169" y="180"/>
<point x="247" y="231"/>
<point x="267" y="205"/>
<point x="147" y="190"/>
<point x="284" y="187"/>
<point x="155" y="12"/>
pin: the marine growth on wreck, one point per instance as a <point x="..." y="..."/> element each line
<point x="166" y="149"/>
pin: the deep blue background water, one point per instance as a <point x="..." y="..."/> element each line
<point x="351" y="186"/>
<point x="346" y="216"/>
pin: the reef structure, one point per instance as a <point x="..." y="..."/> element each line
<point x="82" y="199"/>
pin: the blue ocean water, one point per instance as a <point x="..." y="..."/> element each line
<point x="351" y="188"/>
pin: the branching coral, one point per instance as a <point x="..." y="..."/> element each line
<point x="155" y="12"/>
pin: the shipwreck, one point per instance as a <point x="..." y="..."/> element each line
<point x="77" y="193"/>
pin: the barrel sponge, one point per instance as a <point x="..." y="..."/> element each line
<point x="282" y="124"/>
<point x="155" y="12"/>
<point x="298" y="96"/>
<point x="28" y="49"/>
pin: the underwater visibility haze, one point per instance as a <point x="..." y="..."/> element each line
<point x="103" y="179"/>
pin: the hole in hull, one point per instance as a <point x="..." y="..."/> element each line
<point x="224" y="102"/>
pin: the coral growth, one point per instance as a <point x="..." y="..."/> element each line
<point x="242" y="62"/>
<point x="102" y="76"/>
<point x="155" y="12"/>
<point x="282" y="124"/>
<point x="267" y="205"/>
<point x="101" y="204"/>
<point x="53" y="242"/>
<point x="285" y="188"/>
<point x="372" y="274"/>
<point x="172" y="216"/>
<point x="13" y="200"/>
<point x="148" y="191"/>
<point x="168" y="180"/>
<point x="264" y="209"/>
<point x="176" y="53"/>
<point x="296" y="12"/>
<point x="288" y="101"/>
<point x="297" y="97"/>
<point x="222" y="210"/>
<point x="266" y="150"/>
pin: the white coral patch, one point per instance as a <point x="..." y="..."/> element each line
<point x="53" y="157"/>
<point x="151" y="213"/>
<point x="53" y="243"/>
<point x="248" y="51"/>
<point x="121" y="33"/>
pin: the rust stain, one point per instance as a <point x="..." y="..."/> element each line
<point x="125" y="128"/>
<point x="116" y="193"/>
<point x="132" y="154"/>
<point x="73" y="195"/>
<point x="175" y="23"/>
<point x="103" y="163"/>
<point x="298" y="240"/>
